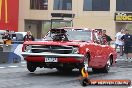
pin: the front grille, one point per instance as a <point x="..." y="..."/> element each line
<point x="52" y="49"/>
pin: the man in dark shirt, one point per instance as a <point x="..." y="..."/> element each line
<point x="6" y="37"/>
<point x="127" y="38"/>
<point x="28" y="36"/>
<point x="106" y="38"/>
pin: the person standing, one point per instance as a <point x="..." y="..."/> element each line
<point x="28" y="37"/>
<point x="119" y="42"/>
<point x="127" y="38"/>
<point x="106" y="39"/>
<point x="6" y="37"/>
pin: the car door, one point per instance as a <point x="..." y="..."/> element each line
<point x="103" y="51"/>
<point x="98" y="60"/>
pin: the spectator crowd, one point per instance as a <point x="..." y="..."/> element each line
<point x="123" y="40"/>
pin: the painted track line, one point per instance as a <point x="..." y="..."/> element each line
<point x="13" y="66"/>
<point x="23" y="65"/>
<point x="2" y="67"/>
<point x="23" y="62"/>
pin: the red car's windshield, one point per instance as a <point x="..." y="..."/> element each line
<point x="68" y="35"/>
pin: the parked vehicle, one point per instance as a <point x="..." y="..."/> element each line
<point x="69" y="48"/>
<point x="16" y="37"/>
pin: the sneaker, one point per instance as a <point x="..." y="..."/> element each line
<point x="126" y="60"/>
<point x="130" y="59"/>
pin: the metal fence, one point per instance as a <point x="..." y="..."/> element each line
<point x="9" y="54"/>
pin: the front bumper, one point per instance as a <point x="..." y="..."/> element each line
<point x="47" y="54"/>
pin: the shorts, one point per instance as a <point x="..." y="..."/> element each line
<point x="127" y="49"/>
<point x="119" y="45"/>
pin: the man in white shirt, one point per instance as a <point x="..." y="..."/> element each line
<point x="119" y="42"/>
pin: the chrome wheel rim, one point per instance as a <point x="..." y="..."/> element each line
<point x="108" y="64"/>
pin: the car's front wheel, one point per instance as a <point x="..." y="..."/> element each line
<point x="31" y="67"/>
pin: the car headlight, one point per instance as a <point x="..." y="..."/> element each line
<point x="28" y="48"/>
<point x="75" y="50"/>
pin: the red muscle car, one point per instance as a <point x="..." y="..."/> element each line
<point x="69" y="48"/>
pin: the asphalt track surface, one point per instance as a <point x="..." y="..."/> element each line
<point x="16" y="75"/>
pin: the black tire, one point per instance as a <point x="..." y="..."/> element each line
<point x="80" y="67"/>
<point x="107" y="66"/>
<point x="31" y="67"/>
<point x="111" y="61"/>
<point x="95" y="70"/>
<point x="105" y="69"/>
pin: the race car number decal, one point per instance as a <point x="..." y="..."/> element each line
<point x="51" y="59"/>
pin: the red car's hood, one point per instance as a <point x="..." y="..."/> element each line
<point x="74" y="43"/>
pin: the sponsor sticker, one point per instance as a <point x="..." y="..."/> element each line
<point x="118" y="82"/>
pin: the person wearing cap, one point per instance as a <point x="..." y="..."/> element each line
<point x="6" y="37"/>
<point x="119" y="42"/>
<point x="127" y="38"/>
